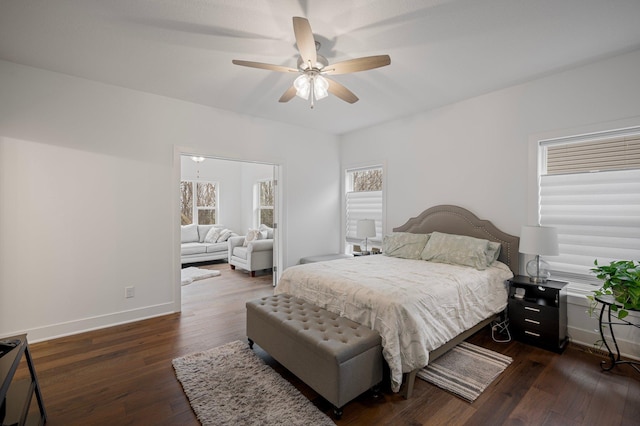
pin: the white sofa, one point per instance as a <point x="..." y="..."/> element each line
<point x="253" y="256"/>
<point x="196" y="247"/>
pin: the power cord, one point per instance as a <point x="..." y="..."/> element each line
<point x="500" y="328"/>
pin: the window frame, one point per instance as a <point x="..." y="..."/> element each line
<point x="258" y="202"/>
<point x="194" y="200"/>
<point x="537" y="216"/>
<point x="376" y="241"/>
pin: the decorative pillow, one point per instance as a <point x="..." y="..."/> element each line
<point x="189" y="234"/>
<point x="252" y="235"/>
<point x="457" y="250"/>
<point x="224" y="235"/>
<point x="493" y="251"/>
<point x="213" y="235"/>
<point x="404" y="244"/>
<point x="267" y="232"/>
<point x="203" y="230"/>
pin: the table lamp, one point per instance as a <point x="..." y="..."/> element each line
<point x="366" y="228"/>
<point x="539" y="240"/>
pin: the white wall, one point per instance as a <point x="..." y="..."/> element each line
<point x="103" y="159"/>
<point x="476" y="153"/>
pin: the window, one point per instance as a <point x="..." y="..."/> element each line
<point x="363" y="193"/>
<point x="201" y="209"/>
<point x="589" y="189"/>
<point x="265" y="202"/>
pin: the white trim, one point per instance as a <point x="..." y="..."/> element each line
<point x="98" y="322"/>
<point x="592" y="136"/>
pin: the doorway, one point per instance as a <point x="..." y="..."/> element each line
<point x="236" y="199"/>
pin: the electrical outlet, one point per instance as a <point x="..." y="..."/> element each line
<point x="129" y="292"/>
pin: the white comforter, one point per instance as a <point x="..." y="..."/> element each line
<point x="415" y="305"/>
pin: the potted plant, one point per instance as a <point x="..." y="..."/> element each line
<point x="622" y="281"/>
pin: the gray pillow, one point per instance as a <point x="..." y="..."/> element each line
<point x="458" y="250"/>
<point x="404" y="244"/>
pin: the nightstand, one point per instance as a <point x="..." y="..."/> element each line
<point x="538" y="312"/>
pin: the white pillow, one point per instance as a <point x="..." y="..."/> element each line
<point x="266" y="231"/>
<point x="213" y="235"/>
<point x="252" y="235"/>
<point x="189" y="234"/>
<point x="224" y="235"/>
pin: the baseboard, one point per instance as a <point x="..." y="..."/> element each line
<point x="95" y="323"/>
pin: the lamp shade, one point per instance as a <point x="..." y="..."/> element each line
<point x="539" y="240"/>
<point x="366" y="228"/>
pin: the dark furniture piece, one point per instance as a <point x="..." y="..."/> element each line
<point x="607" y="301"/>
<point x="16" y="395"/>
<point x="538" y="312"/>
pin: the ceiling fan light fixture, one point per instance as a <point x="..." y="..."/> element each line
<point x="303" y="86"/>
<point x="311" y="84"/>
<point x="320" y="87"/>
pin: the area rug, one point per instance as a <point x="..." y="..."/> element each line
<point x="191" y="274"/>
<point x="466" y="370"/>
<point x="231" y="385"/>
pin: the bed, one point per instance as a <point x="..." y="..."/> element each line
<point x="420" y="308"/>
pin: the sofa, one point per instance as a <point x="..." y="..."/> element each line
<point x="202" y="243"/>
<point x="252" y="252"/>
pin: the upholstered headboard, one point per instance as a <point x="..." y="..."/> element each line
<point x="457" y="220"/>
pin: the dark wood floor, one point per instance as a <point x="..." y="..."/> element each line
<point x="123" y="375"/>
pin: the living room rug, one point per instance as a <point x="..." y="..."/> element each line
<point x="231" y="385"/>
<point x="191" y="274"/>
<point x="466" y="370"/>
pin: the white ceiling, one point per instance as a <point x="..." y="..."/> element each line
<point x="441" y="51"/>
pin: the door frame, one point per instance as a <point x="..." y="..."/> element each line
<point x="278" y="173"/>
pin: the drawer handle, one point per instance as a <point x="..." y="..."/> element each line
<point x="531" y="333"/>
<point x="528" y="308"/>
<point x="532" y="321"/>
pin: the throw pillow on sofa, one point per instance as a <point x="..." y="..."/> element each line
<point x="252" y="235"/>
<point x="189" y="234"/>
<point x="213" y="235"/>
<point x="267" y="233"/>
<point x="224" y="235"/>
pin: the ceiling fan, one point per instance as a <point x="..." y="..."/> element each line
<point x="313" y="68"/>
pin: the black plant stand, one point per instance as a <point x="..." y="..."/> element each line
<point x="614" y="359"/>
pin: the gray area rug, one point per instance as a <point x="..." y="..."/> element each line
<point x="230" y="385"/>
<point x="466" y="370"/>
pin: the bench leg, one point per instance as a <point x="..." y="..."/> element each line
<point x="376" y="391"/>
<point x="337" y="412"/>
<point x="253" y="273"/>
<point x="250" y="343"/>
<point x="233" y="266"/>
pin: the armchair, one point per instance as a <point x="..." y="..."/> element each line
<point x="255" y="256"/>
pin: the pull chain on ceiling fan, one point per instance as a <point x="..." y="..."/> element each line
<point x="313" y="68"/>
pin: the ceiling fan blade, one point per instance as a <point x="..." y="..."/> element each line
<point x="305" y="41"/>
<point x="264" y="66"/>
<point x="342" y="92"/>
<point x="358" y="64"/>
<point x="288" y="95"/>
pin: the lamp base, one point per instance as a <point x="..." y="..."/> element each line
<point x="538" y="270"/>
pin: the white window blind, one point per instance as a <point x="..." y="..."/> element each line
<point x="590" y="192"/>
<point x="363" y="205"/>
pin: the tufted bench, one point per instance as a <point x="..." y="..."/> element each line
<point x="335" y="356"/>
